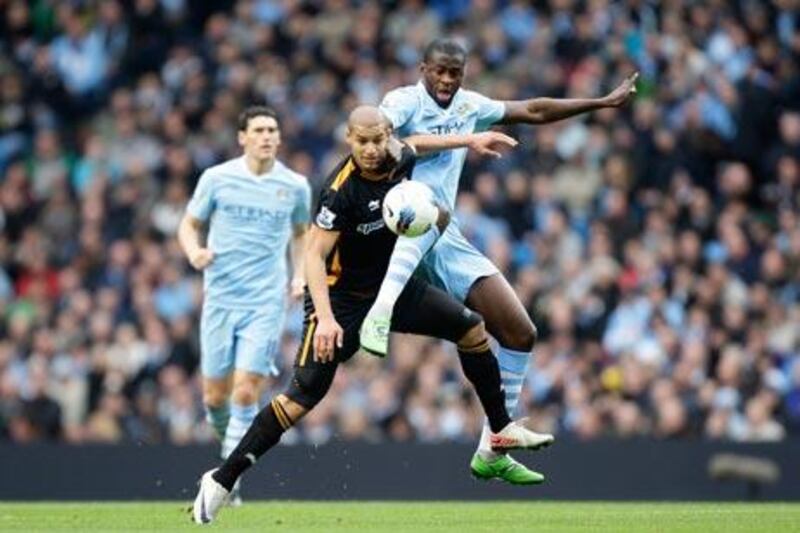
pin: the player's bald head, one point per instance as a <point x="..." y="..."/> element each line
<point x="367" y="116"/>
<point x="368" y="134"/>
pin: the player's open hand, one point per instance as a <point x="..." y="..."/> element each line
<point x="490" y="142"/>
<point x="201" y="258"/>
<point x="327" y="337"/>
<point x="620" y="96"/>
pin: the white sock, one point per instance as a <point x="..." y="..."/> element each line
<point x="241" y="418"/>
<point x="513" y="367"/>
<point x="408" y="252"/>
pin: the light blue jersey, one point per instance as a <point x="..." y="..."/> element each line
<point x="453" y="264"/>
<point x="412" y="111"/>
<point x="251" y="219"/>
<point x="250" y="223"/>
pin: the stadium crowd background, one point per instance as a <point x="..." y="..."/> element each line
<point x="657" y="247"/>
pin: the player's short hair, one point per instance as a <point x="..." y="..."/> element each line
<point x="253" y="111"/>
<point x="446" y="46"/>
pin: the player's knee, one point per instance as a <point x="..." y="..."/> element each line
<point x="309" y="386"/>
<point x="214" y="396"/>
<point x="245" y="392"/>
<point x="444" y="218"/>
<point x="521" y="338"/>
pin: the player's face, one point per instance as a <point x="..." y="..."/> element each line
<point x="442" y="76"/>
<point x="262" y="138"/>
<point x="369" y="145"/>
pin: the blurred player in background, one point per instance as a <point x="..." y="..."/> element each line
<point x="348" y="253"/>
<point x="438" y="104"/>
<point x="254" y="207"/>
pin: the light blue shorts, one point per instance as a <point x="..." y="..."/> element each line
<point x="454" y="265"/>
<point x="240" y="339"/>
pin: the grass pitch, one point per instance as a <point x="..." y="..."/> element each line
<point x="414" y="517"/>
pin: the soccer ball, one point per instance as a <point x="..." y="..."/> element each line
<point x="409" y="209"/>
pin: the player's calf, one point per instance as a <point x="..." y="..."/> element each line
<point x="215" y="399"/>
<point x="265" y="432"/>
<point x="480" y="368"/>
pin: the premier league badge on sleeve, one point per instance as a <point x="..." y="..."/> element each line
<point x="325" y="218"/>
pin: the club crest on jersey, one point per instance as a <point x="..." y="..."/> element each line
<point x="325" y="218"/>
<point x="374" y="205"/>
<point x="283" y="194"/>
<point x="464" y="109"/>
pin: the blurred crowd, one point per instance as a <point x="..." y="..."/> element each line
<point x="656" y="247"/>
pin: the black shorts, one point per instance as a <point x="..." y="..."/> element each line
<point x="421" y="309"/>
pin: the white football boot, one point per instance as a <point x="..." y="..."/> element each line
<point x="235" y="499"/>
<point x="211" y="496"/>
<point x="515" y="436"/>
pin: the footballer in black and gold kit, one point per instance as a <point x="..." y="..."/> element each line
<point x="346" y="259"/>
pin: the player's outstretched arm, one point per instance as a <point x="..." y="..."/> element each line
<point x="189" y="239"/>
<point x="328" y="333"/>
<point x="544" y="110"/>
<point x="297" y="253"/>
<point x="486" y="143"/>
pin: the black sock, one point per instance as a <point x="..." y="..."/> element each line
<point x="481" y="369"/>
<point x="264" y="433"/>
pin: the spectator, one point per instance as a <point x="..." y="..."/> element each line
<point x="657" y="247"/>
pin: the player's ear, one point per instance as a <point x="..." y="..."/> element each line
<point x="241" y="137"/>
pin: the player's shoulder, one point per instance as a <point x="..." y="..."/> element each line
<point x="340" y="178"/>
<point x="470" y="96"/>
<point x="224" y="168"/>
<point x="405" y="95"/>
<point x="293" y="177"/>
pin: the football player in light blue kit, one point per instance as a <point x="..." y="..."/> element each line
<point x="254" y="207"/>
<point x="438" y="104"/>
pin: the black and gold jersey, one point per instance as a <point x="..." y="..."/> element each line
<point x="352" y="205"/>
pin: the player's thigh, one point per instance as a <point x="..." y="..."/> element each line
<point x="349" y="312"/>
<point x="217" y="341"/>
<point x="258" y="340"/>
<point x="454" y="264"/>
<point x="423" y="309"/>
<point x="505" y="317"/>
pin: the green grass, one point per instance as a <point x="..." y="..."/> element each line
<point x="414" y="517"/>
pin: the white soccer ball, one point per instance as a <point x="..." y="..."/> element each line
<point x="409" y="209"/>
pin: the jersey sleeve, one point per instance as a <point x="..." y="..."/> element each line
<point x="202" y="202"/>
<point x="333" y="211"/>
<point x="489" y="111"/>
<point x="302" y="209"/>
<point x="398" y="106"/>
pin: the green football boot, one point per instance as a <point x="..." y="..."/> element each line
<point x="374" y="334"/>
<point x="504" y="468"/>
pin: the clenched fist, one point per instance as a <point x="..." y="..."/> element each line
<point x="201" y="258"/>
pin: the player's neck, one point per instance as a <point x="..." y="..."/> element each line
<point x="373" y="175"/>
<point x="259" y="167"/>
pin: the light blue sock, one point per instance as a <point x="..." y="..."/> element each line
<point x="513" y="367"/>
<point x="217" y="418"/>
<point x="408" y="252"/>
<point x="241" y="418"/>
